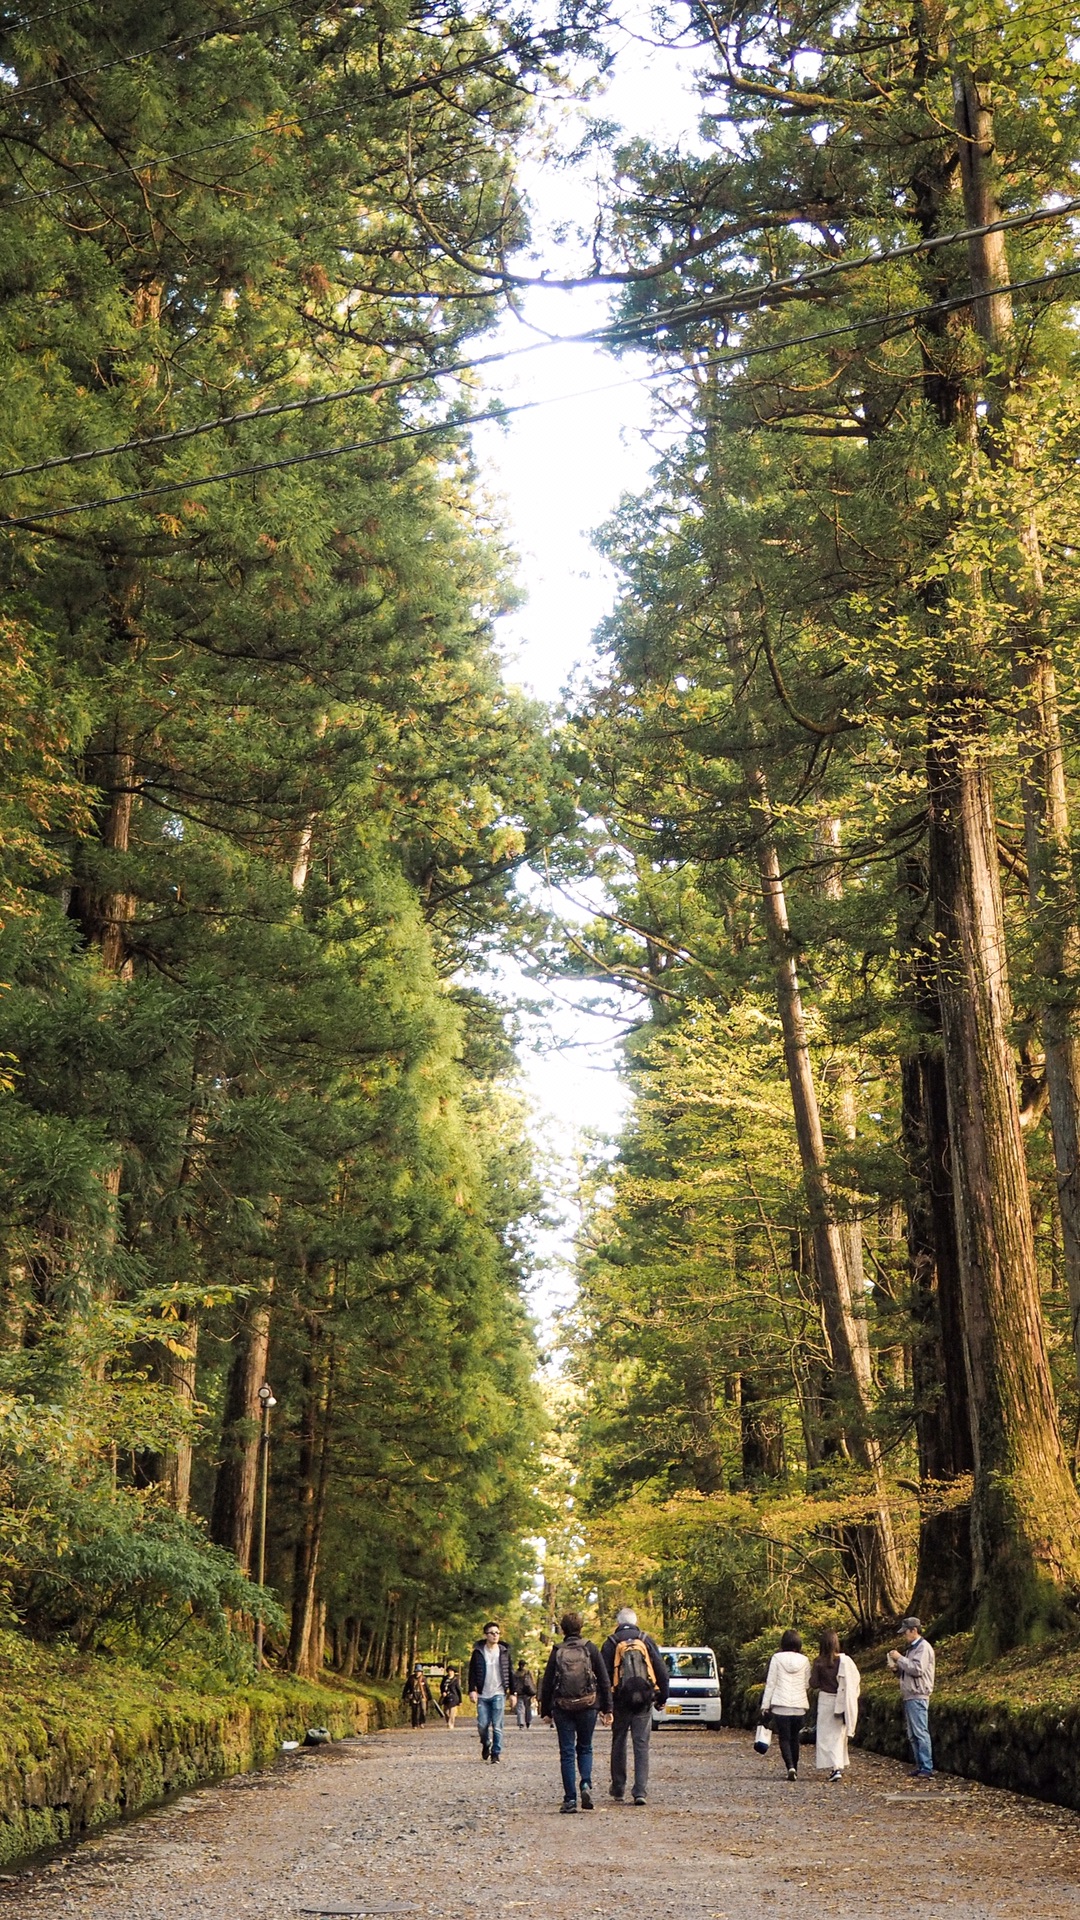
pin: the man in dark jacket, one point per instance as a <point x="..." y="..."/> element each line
<point x="641" y="1683"/>
<point x="574" y="1690"/>
<point x="491" y="1688"/>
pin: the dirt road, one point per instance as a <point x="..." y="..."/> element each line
<point x="416" y="1824"/>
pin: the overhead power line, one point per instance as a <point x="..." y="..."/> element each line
<point x="179" y="40"/>
<point x="614" y="335"/>
<point x="713" y="305"/>
<point x="87" y="183"/>
<point x="500" y="412"/>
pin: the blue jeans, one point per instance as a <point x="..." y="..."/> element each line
<point x="917" y="1723"/>
<point x="575" y="1731"/>
<point x="489" y="1722"/>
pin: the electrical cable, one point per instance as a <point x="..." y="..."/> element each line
<point x="613" y="335"/>
<point x="714" y="305"/>
<point x="501" y="412"/>
<point x="180" y="40"/>
<point x="85" y="184"/>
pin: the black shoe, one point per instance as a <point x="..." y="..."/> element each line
<point x="568" y="1806"/>
<point x="617" y="1793"/>
<point x="639" y="1799"/>
<point x="792" y="1773"/>
<point x="495" y="1758"/>
<point x="586" y="1798"/>
<point x="485" y="1753"/>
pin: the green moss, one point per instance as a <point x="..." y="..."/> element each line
<point x="85" y="1742"/>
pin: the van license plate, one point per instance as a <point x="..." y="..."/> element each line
<point x="674" y="1709"/>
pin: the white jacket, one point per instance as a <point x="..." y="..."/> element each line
<point x="785" y="1684"/>
<point x="849" y="1683"/>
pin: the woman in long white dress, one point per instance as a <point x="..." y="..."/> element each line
<point x="836" y="1678"/>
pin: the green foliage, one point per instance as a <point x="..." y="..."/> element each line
<point x="263" y="796"/>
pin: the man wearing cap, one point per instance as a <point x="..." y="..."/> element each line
<point x="915" y="1670"/>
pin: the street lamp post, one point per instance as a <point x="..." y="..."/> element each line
<point x="266" y="1401"/>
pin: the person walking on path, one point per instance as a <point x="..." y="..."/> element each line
<point x="525" y="1689"/>
<point x="491" y="1686"/>
<point x="415" y="1692"/>
<point x="450" y="1696"/>
<point x="837" y="1680"/>
<point x="639" y="1680"/>
<point x="915" y="1670"/>
<point x="785" y="1699"/>
<point x="575" y="1690"/>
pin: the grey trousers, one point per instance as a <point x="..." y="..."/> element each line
<point x="639" y="1726"/>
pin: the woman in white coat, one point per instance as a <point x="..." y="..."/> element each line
<point x="785" y="1699"/>
<point x="836" y="1678"/>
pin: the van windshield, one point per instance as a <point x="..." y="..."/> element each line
<point x="690" y="1663"/>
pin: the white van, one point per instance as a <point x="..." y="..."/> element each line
<point x="694" y="1698"/>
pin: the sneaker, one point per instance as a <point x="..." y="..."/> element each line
<point x="568" y="1806"/>
<point x="485" y="1753"/>
<point x="495" y="1758"/>
<point x="639" y="1799"/>
<point x="617" y="1793"/>
<point x="924" y="1773"/>
<point x="586" y="1798"/>
<point x="837" y="1774"/>
<point x="792" y="1773"/>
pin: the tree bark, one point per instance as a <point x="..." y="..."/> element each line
<point x="1052" y="890"/>
<point x="232" y="1520"/>
<point x="1026" y="1513"/>
<point x="313" y="1480"/>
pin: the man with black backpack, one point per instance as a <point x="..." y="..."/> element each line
<point x="639" y="1680"/>
<point x="574" y="1691"/>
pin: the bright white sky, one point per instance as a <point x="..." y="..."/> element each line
<point x="559" y="471"/>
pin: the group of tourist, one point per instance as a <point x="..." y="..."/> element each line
<point x="621" y="1683"/>
<point x="791" y="1678"/>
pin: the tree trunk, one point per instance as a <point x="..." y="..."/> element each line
<point x="1026" y="1514"/>
<point x="182" y="1369"/>
<point x="1052" y="891"/>
<point x="105" y="913"/>
<point x="943" y="1588"/>
<point x="761" y="1430"/>
<point x="845" y="1323"/>
<point x="314" y="1471"/>
<point x="232" y="1522"/>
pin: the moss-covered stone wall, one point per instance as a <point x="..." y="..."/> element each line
<point x="81" y="1751"/>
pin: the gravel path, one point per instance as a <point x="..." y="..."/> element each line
<point x="415" y="1824"/>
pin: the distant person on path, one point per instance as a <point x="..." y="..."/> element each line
<point x="415" y="1692"/>
<point x="639" y="1678"/>
<point x="525" y="1688"/>
<point x="574" y="1690"/>
<point x="915" y="1669"/>
<point x="785" y="1698"/>
<point x="837" y="1680"/>
<point x="450" y="1696"/>
<point x="491" y="1685"/>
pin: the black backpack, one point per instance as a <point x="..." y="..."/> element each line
<point x="575" y="1681"/>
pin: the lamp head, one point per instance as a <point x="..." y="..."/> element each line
<point x="266" y="1396"/>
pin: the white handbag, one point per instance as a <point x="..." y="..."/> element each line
<point x="763" y="1740"/>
